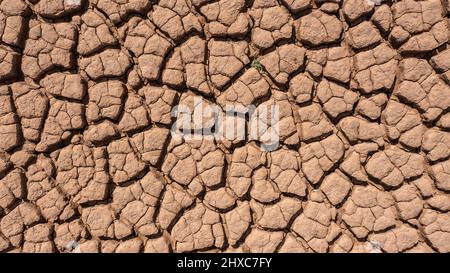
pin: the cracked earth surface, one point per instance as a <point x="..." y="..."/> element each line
<point x="88" y="163"/>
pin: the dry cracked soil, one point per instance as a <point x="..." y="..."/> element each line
<point x="88" y="163"/>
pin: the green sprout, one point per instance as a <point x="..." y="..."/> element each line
<point x="256" y="64"/>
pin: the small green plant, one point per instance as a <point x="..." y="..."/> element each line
<point x="256" y="64"/>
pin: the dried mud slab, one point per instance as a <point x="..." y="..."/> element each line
<point x="128" y="126"/>
<point x="48" y="46"/>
